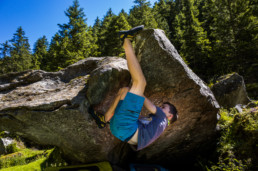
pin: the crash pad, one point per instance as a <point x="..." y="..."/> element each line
<point x="101" y="166"/>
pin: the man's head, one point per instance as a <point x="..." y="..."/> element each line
<point x="170" y="111"/>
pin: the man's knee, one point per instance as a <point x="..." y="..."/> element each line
<point x="142" y="83"/>
<point x="138" y="88"/>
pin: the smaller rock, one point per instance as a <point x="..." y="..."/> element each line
<point x="230" y="90"/>
<point x="7" y="141"/>
<point x="239" y="108"/>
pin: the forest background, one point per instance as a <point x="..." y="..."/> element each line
<point x="214" y="37"/>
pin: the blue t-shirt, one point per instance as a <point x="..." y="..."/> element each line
<point x="150" y="131"/>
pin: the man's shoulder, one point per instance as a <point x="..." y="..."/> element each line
<point x="158" y="108"/>
<point x="159" y="111"/>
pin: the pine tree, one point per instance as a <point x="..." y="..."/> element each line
<point x="193" y="44"/>
<point x="114" y="45"/>
<point x="161" y="11"/>
<point x="125" y="14"/>
<point x="5" y="50"/>
<point x="103" y="40"/>
<point x="234" y="31"/>
<point x="142" y="14"/>
<point x="5" y="63"/>
<point x="75" y="38"/>
<point x="165" y="17"/>
<point x="95" y="36"/>
<point x="53" y="60"/>
<point x="174" y="23"/>
<point x="109" y="41"/>
<point x="206" y="16"/>
<point x="96" y="26"/>
<point x="40" y="53"/>
<point x="20" y="52"/>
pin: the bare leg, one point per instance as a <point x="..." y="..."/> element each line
<point x="139" y="81"/>
<point x="138" y="78"/>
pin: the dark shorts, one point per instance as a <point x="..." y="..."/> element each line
<point x="124" y="123"/>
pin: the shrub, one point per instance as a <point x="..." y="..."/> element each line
<point x="12" y="148"/>
<point x="237" y="143"/>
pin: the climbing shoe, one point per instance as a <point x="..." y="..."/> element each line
<point x="129" y="33"/>
<point x="99" y="118"/>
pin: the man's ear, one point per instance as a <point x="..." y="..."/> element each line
<point x="170" y="116"/>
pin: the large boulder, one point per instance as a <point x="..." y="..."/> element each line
<point x="230" y="90"/>
<point x="51" y="107"/>
<point x="170" y="79"/>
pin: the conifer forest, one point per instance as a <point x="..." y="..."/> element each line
<point x="214" y="37"/>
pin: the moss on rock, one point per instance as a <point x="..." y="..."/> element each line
<point x="31" y="159"/>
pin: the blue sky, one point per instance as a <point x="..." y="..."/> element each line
<point x="40" y="17"/>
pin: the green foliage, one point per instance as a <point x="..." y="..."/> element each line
<point x="73" y="41"/>
<point x="233" y="31"/>
<point x="103" y="40"/>
<point x="113" y="44"/>
<point x="191" y="39"/>
<point x="23" y="157"/>
<point x="16" y="57"/>
<point x="238" y="140"/>
<point x="141" y="14"/>
<point x="210" y="84"/>
<point x="108" y="41"/>
<point x="20" y="51"/>
<point x="95" y="37"/>
<point x="12" y="148"/>
<point x="39" y="59"/>
<point x="32" y="166"/>
<point x="161" y="11"/>
<point x="31" y="159"/>
<point x="2" y="134"/>
<point x="214" y="37"/>
<point x="252" y="90"/>
<point x="5" y="50"/>
<point x="5" y="59"/>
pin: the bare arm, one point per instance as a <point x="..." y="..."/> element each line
<point x="120" y="96"/>
<point x="149" y="105"/>
<point x="110" y="112"/>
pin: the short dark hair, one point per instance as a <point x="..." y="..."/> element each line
<point x="173" y="111"/>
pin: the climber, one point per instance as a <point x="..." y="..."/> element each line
<point x="124" y="112"/>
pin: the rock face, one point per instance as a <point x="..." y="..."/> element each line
<point x="170" y="79"/>
<point x="51" y="108"/>
<point x="230" y="90"/>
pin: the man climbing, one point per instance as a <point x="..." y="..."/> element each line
<point x="124" y="112"/>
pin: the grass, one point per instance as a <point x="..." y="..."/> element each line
<point x="33" y="166"/>
<point x="31" y="159"/>
<point x="24" y="158"/>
